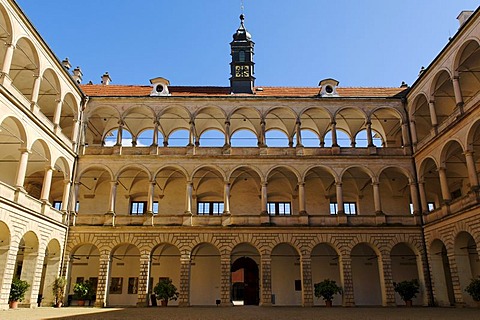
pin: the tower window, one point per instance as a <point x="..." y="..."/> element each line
<point x="241" y="56"/>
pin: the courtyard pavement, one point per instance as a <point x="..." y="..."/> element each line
<point x="243" y="313"/>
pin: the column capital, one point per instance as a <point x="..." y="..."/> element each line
<point x="9" y="45"/>
<point x="25" y="150"/>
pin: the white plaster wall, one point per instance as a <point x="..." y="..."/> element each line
<point x="205" y="277"/>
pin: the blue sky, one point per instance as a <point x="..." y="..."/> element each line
<point x="298" y="43"/>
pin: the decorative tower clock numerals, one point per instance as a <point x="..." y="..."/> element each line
<point x="242" y="71"/>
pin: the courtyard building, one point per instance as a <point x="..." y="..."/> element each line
<point x="240" y="194"/>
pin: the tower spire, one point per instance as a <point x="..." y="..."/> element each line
<point x="242" y="65"/>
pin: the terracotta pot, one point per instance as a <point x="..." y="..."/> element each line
<point x="81" y="303"/>
<point x="328" y="303"/>
<point x="408" y="303"/>
<point x="13" y="304"/>
<point x="59" y="304"/>
<point x="164" y="303"/>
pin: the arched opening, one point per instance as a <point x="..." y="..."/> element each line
<point x="343" y="139"/>
<point x="244" y="138"/>
<point x="26" y="264"/>
<point x="69" y="116"/>
<point x="468" y="265"/>
<point x="310" y="139"/>
<point x="279" y="127"/>
<point x="138" y="119"/>
<point x="38" y="162"/>
<point x="205" y="274"/>
<point x="349" y="120"/>
<point x="25" y="67"/>
<point x="387" y="126"/>
<point x="286" y="276"/>
<point x="326" y="265"/>
<point x="443" y="96"/>
<point x="245" y="186"/>
<point x="5" y="33"/>
<point x="208" y="184"/>
<point x="281" y="190"/>
<point x="406" y="266"/>
<point x="315" y="122"/>
<point x="357" y="192"/>
<point x="474" y="144"/>
<point x="49" y="94"/>
<point x="361" y="139"/>
<point x="212" y="138"/>
<point x="61" y="174"/>
<point x="124" y="272"/>
<point x="170" y="190"/>
<point x="421" y="117"/>
<point x="320" y="191"/>
<point x="12" y="138"/>
<point x="395" y="192"/>
<point x="111" y="138"/>
<point x="276" y="138"/>
<point x="93" y="194"/>
<point x="456" y="170"/>
<point x="99" y="122"/>
<point x="50" y="271"/>
<point x="366" y="277"/>
<point x="165" y="264"/>
<point x="441" y="274"/>
<point x="145" y="138"/>
<point x="4" y="250"/>
<point x="431" y="180"/>
<point x="133" y="185"/>
<point x="245" y="275"/>
<point x="84" y="266"/>
<point x="468" y="69"/>
<point x="179" y="138"/>
<point x="175" y="126"/>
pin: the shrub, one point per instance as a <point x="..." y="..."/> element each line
<point x="473" y="289"/>
<point x="18" y="290"/>
<point x="407" y="289"/>
<point x="327" y="289"/>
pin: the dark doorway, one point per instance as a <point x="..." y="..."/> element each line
<point x="245" y="281"/>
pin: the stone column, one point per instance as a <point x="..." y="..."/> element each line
<point x="386" y="280"/>
<point x="22" y="169"/>
<point x="226" y="198"/>
<point x="143" y="281"/>
<point x="458" y="93"/>
<point x="7" y="61"/>
<point x="369" y="135"/>
<point x="266" y="281"/>
<point x="149" y="214"/>
<point x="433" y="113"/>
<point x="103" y="280"/>
<point x="264" y="198"/>
<point x="457" y="288"/>
<point x="423" y="197"/>
<point x="47" y="183"/>
<point x="113" y="196"/>
<point x="120" y="133"/>
<point x="307" y="286"/>
<point x="66" y="195"/>
<point x="261" y="140"/>
<point x="298" y="131"/>
<point x="414" y="195"/>
<point x="346" y="280"/>
<point x="334" y="134"/>
<point x="301" y="198"/>
<point x="58" y="113"/>
<point x="340" y="206"/>
<point x="405" y="138"/>
<point x="155" y="134"/>
<point x="227" y="135"/>
<point x="184" y="290"/>
<point x="189" y="195"/>
<point x="225" y="261"/>
<point x="36" y="88"/>
<point x="471" y="168"/>
<point x="75" y="133"/>
<point x="376" y="197"/>
<point x="413" y="131"/>
<point x="442" y="173"/>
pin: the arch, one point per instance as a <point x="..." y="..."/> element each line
<point x="277" y="138"/>
<point x="366" y="276"/>
<point x="98" y="122"/>
<point x="316" y="119"/>
<point x="421" y="117"/>
<point x="50" y="271"/>
<point x="69" y="115"/>
<point x="245" y="185"/>
<point x="326" y="265"/>
<point x="467" y="261"/>
<point x="466" y="65"/>
<point x="205" y="275"/>
<point x="5" y="238"/>
<point x="172" y="119"/>
<point x="453" y="160"/>
<point x="244" y="138"/>
<point x="26" y="262"/>
<point x="133" y="184"/>
<point x="6" y="33"/>
<point x="208" y="183"/>
<point x="13" y="137"/>
<point x="344" y="140"/>
<point x="429" y="177"/>
<point x="165" y="259"/>
<point x="25" y="67"/>
<point x="350" y="119"/>
<point x="442" y="95"/>
<point x="245" y="259"/>
<point x="245" y="118"/>
<point x="212" y="138"/>
<point x="395" y="191"/>
<point x="282" y="190"/>
<point x="210" y="118"/>
<point x="124" y="266"/>
<point x="361" y="139"/>
<point x="111" y="138"/>
<point x="286" y="275"/>
<point x="94" y="185"/>
<point x="281" y="118"/>
<point x="320" y="189"/>
<point x="49" y="93"/>
<point x="84" y="264"/>
<point x="145" y="138"/>
<point x="138" y="118"/>
<point x="441" y="274"/>
<point x="310" y="139"/>
<point x="178" y="138"/>
<point x="38" y="162"/>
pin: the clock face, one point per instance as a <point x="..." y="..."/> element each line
<point x="242" y="71"/>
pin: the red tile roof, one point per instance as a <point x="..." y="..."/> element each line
<point x="94" y="90"/>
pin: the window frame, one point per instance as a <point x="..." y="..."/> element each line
<point x="215" y="208"/>
<point x="277" y="206"/>
<point x="145" y="205"/>
<point x="349" y="204"/>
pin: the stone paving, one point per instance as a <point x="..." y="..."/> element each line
<point x="243" y="313"/>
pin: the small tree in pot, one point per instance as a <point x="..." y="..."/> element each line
<point x="165" y="290"/>
<point x="473" y="289"/>
<point x="82" y="291"/>
<point x="327" y="289"/>
<point x="58" y="288"/>
<point x="17" y="292"/>
<point x="407" y="290"/>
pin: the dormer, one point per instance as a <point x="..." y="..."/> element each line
<point x="328" y="87"/>
<point x="160" y="87"/>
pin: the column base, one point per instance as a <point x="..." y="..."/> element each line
<point x="109" y="219"/>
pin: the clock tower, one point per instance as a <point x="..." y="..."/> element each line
<point x="242" y="66"/>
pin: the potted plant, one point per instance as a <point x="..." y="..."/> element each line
<point x="473" y="289"/>
<point x="407" y="290"/>
<point x="58" y="288"/>
<point x="326" y="290"/>
<point x="17" y="292"/>
<point x="165" y="290"/>
<point x="82" y="291"/>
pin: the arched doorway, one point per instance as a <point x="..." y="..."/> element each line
<point x="26" y="264"/>
<point x="286" y="276"/>
<point x="84" y="266"/>
<point x="50" y="271"/>
<point x="468" y="265"/>
<point x="441" y="274"/>
<point x="124" y="272"/>
<point x="165" y="264"/>
<point x="245" y="281"/>
<point x="366" y="278"/>
<point x="205" y="275"/>
<point x="326" y="265"/>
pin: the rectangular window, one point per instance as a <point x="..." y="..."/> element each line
<point x="57" y="205"/>
<point x="116" y="285"/>
<point x="210" y="208"/>
<point x="138" y="208"/>
<point x="132" y="285"/>
<point x="411" y="208"/>
<point x="431" y="206"/>
<point x="279" y="208"/>
<point x="349" y="208"/>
